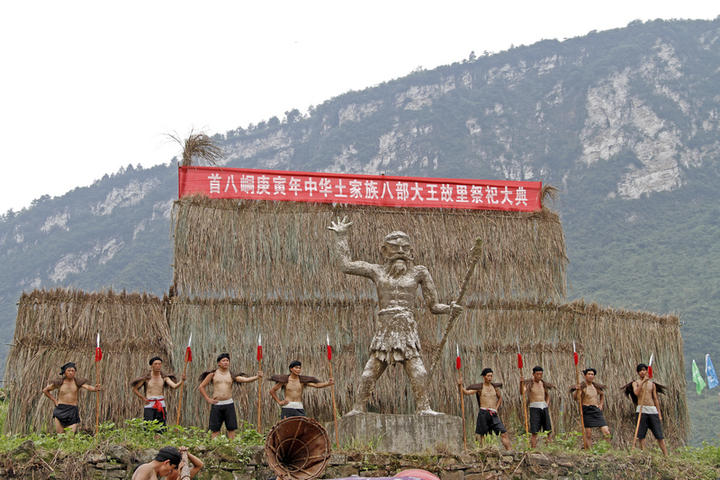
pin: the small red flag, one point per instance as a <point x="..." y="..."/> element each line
<point x="575" y="355"/>
<point x="98" y="354"/>
<point x="520" y="364"/>
<point x="457" y="363"/>
<point x="188" y="354"/>
<point x="650" y="371"/>
<point x="329" y="351"/>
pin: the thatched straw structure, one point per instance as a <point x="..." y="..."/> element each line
<point x="57" y="326"/>
<point x="245" y="268"/>
<point x="283" y="251"/>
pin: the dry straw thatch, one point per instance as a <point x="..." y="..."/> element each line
<point x="57" y="326"/>
<point x="245" y="268"/>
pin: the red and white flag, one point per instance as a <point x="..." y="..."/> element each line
<point x="98" y="351"/>
<point x="575" y="355"/>
<point x="259" y="349"/>
<point x="650" y="365"/>
<point x="188" y="352"/>
<point x="329" y="348"/>
<point x="457" y="359"/>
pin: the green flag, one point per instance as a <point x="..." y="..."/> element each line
<point x="697" y="378"/>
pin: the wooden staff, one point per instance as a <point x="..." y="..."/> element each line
<point x="640" y="401"/>
<point x="520" y="366"/>
<point x="185" y="471"/>
<point x="188" y="358"/>
<point x="475" y="253"/>
<point x="580" y="395"/>
<point x="462" y="397"/>
<point x="259" y="359"/>
<point x="98" y="357"/>
<point x="332" y="393"/>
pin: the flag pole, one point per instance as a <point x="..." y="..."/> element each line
<point x="259" y="359"/>
<point x="462" y="397"/>
<point x="520" y="366"/>
<point x="188" y="358"/>
<point x="580" y="395"/>
<point x="332" y="392"/>
<point x="641" y="399"/>
<point x="98" y="357"/>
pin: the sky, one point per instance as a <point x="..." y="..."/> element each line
<point x="88" y="87"/>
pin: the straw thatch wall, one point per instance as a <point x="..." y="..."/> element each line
<point x="487" y="335"/>
<point x="58" y="326"/>
<point x="283" y="250"/>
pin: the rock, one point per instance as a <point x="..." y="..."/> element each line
<point x="214" y="474"/>
<point x="256" y="453"/>
<point x="110" y="466"/>
<point x="119" y="453"/>
<point x="95" y="456"/>
<point x="232" y="466"/>
<point x="146" y="456"/>
<point x="337" y="459"/>
<point x="374" y="473"/>
<point x="537" y="459"/>
<point x="340" y="472"/>
<point x="452" y="475"/>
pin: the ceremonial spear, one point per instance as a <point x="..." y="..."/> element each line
<point x="332" y="392"/>
<point x="580" y="394"/>
<point x="98" y="357"/>
<point x="259" y="359"/>
<point x="188" y="358"/>
<point x="462" y="397"/>
<point x="520" y="366"/>
<point x="475" y="253"/>
<point x="640" y="400"/>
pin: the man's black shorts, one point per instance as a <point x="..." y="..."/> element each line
<point x="292" y="412"/>
<point x="539" y="420"/>
<point x="489" y="422"/>
<point x="150" y="414"/>
<point x="593" y="417"/>
<point x="651" y="421"/>
<point x="223" y="413"/>
<point x="67" y="414"/>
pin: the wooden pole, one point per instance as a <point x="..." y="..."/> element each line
<point x="580" y="395"/>
<point x="97" y="399"/>
<point x="524" y="403"/>
<point x="332" y="393"/>
<point x="259" y="425"/>
<point x="462" y="407"/>
<point x="185" y="471"/>
<point x="640" y="402"/>
<point x="181" y="393"/>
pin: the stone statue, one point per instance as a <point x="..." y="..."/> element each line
<point x="397" y="339"/>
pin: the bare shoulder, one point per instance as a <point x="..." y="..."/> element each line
<point x="144" y="472"/>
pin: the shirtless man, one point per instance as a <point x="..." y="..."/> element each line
<point x="223" y="407"/>
<point x="592" y="397"/>
<point x="489" y="400"/>
<point x="165" y="463"/>
<point x="154" y="383"/>
<point x="66" y="413"/>
<point x="294" y="384"/>
<point x="396" y="339"/>
<point x="643" y="392"/>
<point x="538" y="404"/>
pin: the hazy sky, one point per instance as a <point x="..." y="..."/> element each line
<point x="88" y="87"/>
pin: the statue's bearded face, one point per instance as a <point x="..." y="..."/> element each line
<point x="398" y="256"/>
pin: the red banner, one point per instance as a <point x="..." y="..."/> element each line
<point x="381" y="190"/>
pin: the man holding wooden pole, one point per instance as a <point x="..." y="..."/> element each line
<point x="643" y="392"/>
<point x="155" y="382"/>
<point x="591" y="396"/>
<point x="539" y="400"/>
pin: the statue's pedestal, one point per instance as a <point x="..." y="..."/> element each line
<point x="404" y="434"/>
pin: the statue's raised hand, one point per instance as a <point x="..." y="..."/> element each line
<point x="341" y="226"/>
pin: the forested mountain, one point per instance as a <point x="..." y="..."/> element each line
<point x="625" y="122"/>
